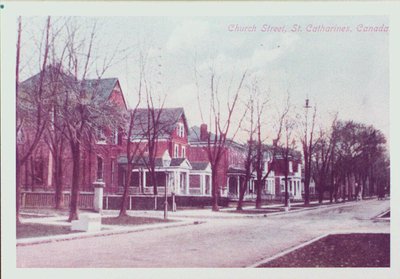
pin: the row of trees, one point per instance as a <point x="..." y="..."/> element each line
<point x="336" y="157"/>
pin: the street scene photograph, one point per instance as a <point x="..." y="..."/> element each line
<point x="202" y="142"/>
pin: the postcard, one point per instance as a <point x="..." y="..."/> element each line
<point x="218" y="140"/>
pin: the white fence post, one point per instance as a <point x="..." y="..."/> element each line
<point x="98" y="196"/>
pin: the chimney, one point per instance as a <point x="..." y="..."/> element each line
<point x="275" y="142"/>
<point x="203" y="132"/>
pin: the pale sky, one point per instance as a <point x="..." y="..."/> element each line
<point x="344" y="72"/>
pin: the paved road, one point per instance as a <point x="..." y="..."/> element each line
<point x="216" y="243"/>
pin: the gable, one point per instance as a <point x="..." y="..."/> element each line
<point x="117" y="96"/>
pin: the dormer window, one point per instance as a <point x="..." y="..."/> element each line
<point x="166" y="159"/>
<point x="181" y="130"/>
<point x="117" y="136"/>
<point x="100" y="136"/>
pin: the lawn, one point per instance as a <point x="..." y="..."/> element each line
<point x="25" y="230"/>
<point x="131" y="220"/>
<point x="340" y="250"/>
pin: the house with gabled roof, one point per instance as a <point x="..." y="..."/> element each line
<point x="38" y="174"/>
<point x="174" y="171"/>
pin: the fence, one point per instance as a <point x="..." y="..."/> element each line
<point x="135" y="202"/>
<point x="47" y="200"/>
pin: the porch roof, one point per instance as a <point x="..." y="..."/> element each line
<point x="143" y="162"/>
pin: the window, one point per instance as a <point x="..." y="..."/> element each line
<point x="290" y="166"/>
<point x="183" y="152"/>
<point x="181" y="130"/>
<point x="176" y="150"/>
<point x="121" y="175"/>
<point x="112" y="171"/>
<point x="38" y="171"/>
<point x="99" y="168"/>
<point x="100" y="136"/>
<point x="117" y="136"/>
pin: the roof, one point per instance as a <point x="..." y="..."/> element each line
<point x="194" y="138"/>
<point x="199" y="165"/>
<point x="232" y="170"/>
<point x="143" y="162"/>
<point x="167" y="120"/>
<point x="101" y="88"/>
<point x="177" y="162"/>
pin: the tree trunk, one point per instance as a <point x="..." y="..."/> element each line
<point x="58" y="180"/>
<point x="124" y="201"/>
<point x="320" y="194"/>
<point x="259" y="191"/>
<point x="17" y="189"/>
<point x="286" y="192"/>
<point x="214" y="179"/>
<point x="155" y="190"/>
<point x="242" y="191"/>
<point x="73" y="209"/>
<point x="307" y="177"/>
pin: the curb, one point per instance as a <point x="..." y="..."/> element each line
<point x="285" y="252"/>
<point x="264" y="215"/>
<point x="333" y="205"/>
<point x="58" y="238"/>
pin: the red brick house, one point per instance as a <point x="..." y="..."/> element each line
<point x="97" y="160"/>
<point x="231" y="169"/>
<point x="294" y="175"/>
<point x="173" y="169"/>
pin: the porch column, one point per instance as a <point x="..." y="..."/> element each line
<point x="187" y="182"/>
<point x="203" y="184"/>
<point x="210" y="183"/>
<point x="144" y="180"/>
<point x="178" y="182"/>
<point x="238" y="186"/>
<point x="166" y="181"/>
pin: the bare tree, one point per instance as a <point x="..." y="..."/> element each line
<point x="266" y="154"/>
<point x="83" y="110"/>
<point x="308" y="148"/>
<point x="152" y="128"/>
<point x="221" y="126"/>
<point x="31" y="111"/>
<point x="133" y="151"/>
<point x="54" y="135"/>
<point x="323" y="153"/>
<point x="285" y="146"/>
<point x="248" y="162"/>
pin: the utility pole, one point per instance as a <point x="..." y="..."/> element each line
<point x="307" y="158"/>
